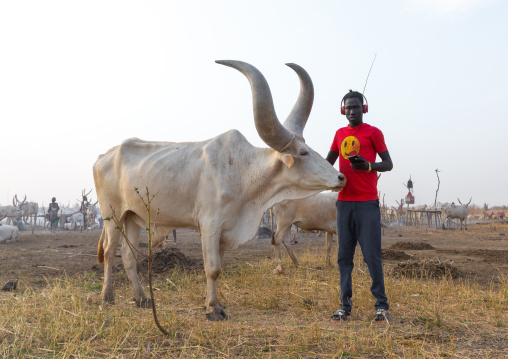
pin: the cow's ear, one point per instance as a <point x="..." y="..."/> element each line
<point x="287" y="159"/>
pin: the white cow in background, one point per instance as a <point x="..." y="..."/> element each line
<point x="422" y="207"/>
<point x="314" y="213"/>
<point x="9" y="212"/>
<point x="8" y="233"/>
<point x="452" y="210"/>
<point x="392" y="215"/>
<point x="27" y="209"/>
<point x="419" y="215"/>
<point x="92" y="211"/>
<point x="220" y="187"/>
<point x="68" y="210"/>
<point x="77" y="219"/>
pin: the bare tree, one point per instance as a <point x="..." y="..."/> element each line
<point x="438" y="183"/>
<point x="151" y="251"/>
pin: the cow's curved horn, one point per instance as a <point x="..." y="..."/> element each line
<point x="299" y="115"/>
<point x="2" y="217"/>
<point x="268" y="126"/>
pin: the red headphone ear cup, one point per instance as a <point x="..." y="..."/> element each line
<point x="343" y="110"/>
<point x="365" y="108"/>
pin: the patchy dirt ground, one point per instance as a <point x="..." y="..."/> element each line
<point x="481" y="253"/>
<point x="418" y="246"/>
<point x="426" y="269"/>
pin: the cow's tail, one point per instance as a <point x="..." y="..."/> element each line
<point x="100" y="247"/>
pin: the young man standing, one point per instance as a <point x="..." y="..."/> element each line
<point x="358" y="214"/>
<point x="53" y="209"/>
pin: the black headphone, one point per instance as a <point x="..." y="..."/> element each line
<point x="343" y="109"/>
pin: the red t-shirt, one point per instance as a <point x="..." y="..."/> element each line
<point x="365" y="140"/>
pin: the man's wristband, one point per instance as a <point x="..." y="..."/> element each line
<point x="370" y="168"/>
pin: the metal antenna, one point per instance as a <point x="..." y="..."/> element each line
<point x="367" y="79"/>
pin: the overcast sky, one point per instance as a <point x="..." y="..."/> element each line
<point x="77" y="78"/>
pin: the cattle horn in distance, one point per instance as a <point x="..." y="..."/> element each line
<point x="467" y="202"/>
<point x="268" y="126"/>
<point x="16" y="202"/>
<point x="299" y="115"/>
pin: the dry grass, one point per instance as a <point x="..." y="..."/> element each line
<point x="283" y="316"/>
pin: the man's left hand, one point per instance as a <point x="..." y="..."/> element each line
<point x="360" y="163"/>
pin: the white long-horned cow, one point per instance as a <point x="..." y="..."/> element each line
<point x="220" y="187"/>
<point x="455" y="211"/>
<point x="314" y="213"/>
<point x="27" y="209"/>
<point x="10" y="212"/>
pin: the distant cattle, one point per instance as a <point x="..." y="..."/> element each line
<point x="10" y="212"/>
<point x="317" y="212"/>
<point x="27" y="209"/>
<point x="77" y="219"/>
<point x="92" y="211"/>
<point x="392" y="215"/>
<point x="449" y="211"/>
<point x="418" y="216"/>
<point x="422" y="207"/>
<point x="498" y="214"/>
<point x="487" y="215"/>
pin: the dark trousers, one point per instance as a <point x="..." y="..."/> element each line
<point x="360" y="222"/>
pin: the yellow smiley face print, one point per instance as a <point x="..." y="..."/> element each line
<point x="350" y="147"/>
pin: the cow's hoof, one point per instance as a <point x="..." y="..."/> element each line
<point x="108" y="299"/>
<point x="278" y="270"/>
<point x="144" y="303"/>
<point x="217" y="315"/>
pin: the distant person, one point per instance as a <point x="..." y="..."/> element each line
<point x="85" y="203"/>
<point x="53" y="214"/>
<point x="358" y="214"/>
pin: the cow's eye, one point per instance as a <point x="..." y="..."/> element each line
<point x="304" y="153"/>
